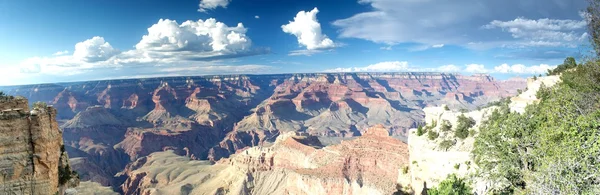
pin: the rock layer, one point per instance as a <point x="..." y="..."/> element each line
<point x="32" y="155"/>
<point x="107" y="124"/>
<point x="295" y="164"/>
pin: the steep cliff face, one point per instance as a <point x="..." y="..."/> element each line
<point x="295" y="164"/>
<point x="32" y="155"/>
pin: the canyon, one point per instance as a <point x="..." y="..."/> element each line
<point x="332" y="132"/>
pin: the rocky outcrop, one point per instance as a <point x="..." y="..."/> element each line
<point x="32" y="156"/>
<point x="430" y="163"/>
<point x="528" y="96"/>
<point x="294" y="164"/>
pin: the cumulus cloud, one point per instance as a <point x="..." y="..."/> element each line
<point x="206" y="5"/>
<point x="307" y="29"/>
<point x="60" y="53"/>
<point x="543" y="32"/>
<point x="257" y="17"/>
<point x="209" y="35"/>
<point x="454" y="22"/>
<point x="94" y="49"/>
<point x="167" y="44"/>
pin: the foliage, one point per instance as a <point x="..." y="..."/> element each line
<point x="420" y="130"/>
<point x="452" y="185"/>
<point x="569" y="63"/>
<point x="4" y="96"/>
<point x="593" y="21"/>
<point x="446" y="144"/>
<point x="40" y="105"/>
<point x="446" y="107"/>
<point x="405" y="169"/>
<point x="463" y="126"/>
<point x="553" y="146"/>
<point x="64" y="174"/>
<point x="431" y="134"/>
<point x="446" y="126"/>
<point x="457" y="166"/>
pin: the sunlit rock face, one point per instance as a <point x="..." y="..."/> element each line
<point x="295" y="164"/>
<point x="109" y="124"/>
<point x="31" y="150"/>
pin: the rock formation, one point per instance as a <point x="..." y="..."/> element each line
<point x="32" y="155"/>
<point x="430" y="164"/>
<point x="108" y="124"/>
<point x="295" y="164"/>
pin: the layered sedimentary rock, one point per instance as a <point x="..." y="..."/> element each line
<point x="340" y="105"/>
<point x="294" y="164"/>
<point x="109" y="123"/>
<point x="32" y="155"/>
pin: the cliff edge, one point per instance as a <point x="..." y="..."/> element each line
<point x="32" y="155"/>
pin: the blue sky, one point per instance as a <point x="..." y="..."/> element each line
<point x="74" y="40"/>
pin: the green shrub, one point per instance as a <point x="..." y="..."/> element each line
<point x="405" y="169"/>
<point x="446" y="126"/>
<point x="463" y="126"/>
<point x="446" y="144"/>
<point x="452" y="185"/>
<point x="457" y="166"/>
<point x="420" y="130"/>
<point x="569" y="63"/>
<point x="40" y="105"/>
<point x="446" y="107"/>
<point x="432" y="135"/>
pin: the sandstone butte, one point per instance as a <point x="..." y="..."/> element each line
<point x="110" y="125"/>
<point x="32" y="156"/>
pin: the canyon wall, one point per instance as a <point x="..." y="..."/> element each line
<point x="109" y="124"/>
<point x="32" y="155"/>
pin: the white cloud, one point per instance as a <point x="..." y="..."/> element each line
<point x="448" y="68"/>
<point x="60" y="53"/>
<point x="167" y="44"/>
<point x="307" y="29"/>
<point x="209" y="35"/>
<point x="222" y="69"/>
<point x="257" y="17"/>
<point x="403" y="66"/>
<point x="522" y="69"/>
<point x="94" y="49"/>
<point x="543" y="32"/>
<point x="390" y="66"/>
<point x="305" y="52"/>
<point x="438" y="46"/>
<point x="456" y="22"/>
<point x="205" y="5"/>
<point x="476" y="68"/>
<point x="386" y="48"/>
